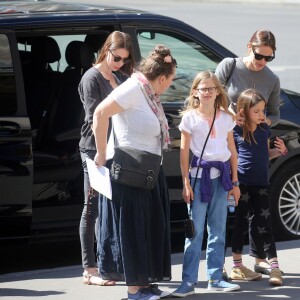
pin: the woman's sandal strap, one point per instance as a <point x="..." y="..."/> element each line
<point x="102" y="282"/>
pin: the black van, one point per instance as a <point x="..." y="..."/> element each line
<point x="45" y="48"/>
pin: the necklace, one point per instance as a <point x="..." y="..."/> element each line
<point x="109" y="74"/>
<point x="251" y="70"/>
<point x="109" y="77"/>
<point x="253" y="79"/>
<point x="98" y="66"/>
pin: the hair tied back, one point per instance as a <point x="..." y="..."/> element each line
<point x="168" y="59"/>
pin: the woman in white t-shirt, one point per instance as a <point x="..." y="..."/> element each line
<point x="213" y="181"/>
<point x="141" y="251"/>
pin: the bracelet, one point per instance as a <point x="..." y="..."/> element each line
<point x="285" y="152"/>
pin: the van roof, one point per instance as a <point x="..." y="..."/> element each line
<point x="30" y="7"/>
<point x="32" y="14"/>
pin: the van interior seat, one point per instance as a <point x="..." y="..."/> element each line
<point x="41" y="82"/>
<point x="69" y="111"/>
<point x="65" y="120"/>
<point x="54" y="106"/>
<point x="79" y="55"/>
<point x="96" y="41"/>
<point x="44" y="51"/>
<point x="42" y="87"/>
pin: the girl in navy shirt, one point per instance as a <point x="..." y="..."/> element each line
<point x="254" y="153"/>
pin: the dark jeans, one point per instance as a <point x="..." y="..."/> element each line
<point x="89" y="216"/>
<point x="253" y="212"/>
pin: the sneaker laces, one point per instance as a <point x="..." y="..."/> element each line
<point x="246" y="271"/>
<point x="184" y="287"/>
<point x="144" y="291"/>
<point x="153" y="289"/>
<point x="276" y="273"/>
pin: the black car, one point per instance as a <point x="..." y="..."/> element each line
<point x="45" y="48"/>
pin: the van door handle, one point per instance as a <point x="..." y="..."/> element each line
<point x="9" y="128"/>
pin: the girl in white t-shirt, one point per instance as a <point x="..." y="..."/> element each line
<point x="215" y="182"/>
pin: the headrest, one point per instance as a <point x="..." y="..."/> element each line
<point x="45" y="50"/>
<point x="96" y="41"/>
<point x="87" y="56"/>
<point x="73" y="53"/>
<point x="79" y="55"/>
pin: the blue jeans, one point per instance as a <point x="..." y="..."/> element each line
<point x="216" y="213"/>
<point x="89" y="216"/>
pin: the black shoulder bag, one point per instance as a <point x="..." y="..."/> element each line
<point x="188" y="223"/>
<point x="228" y="78"/>
<point x="231" y="71"/>
<point x="135" y="168"/>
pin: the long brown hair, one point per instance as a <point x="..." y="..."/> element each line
<point x="118" y="40"/>
<point x="192" y="102"/>
<point x="246" y="100"/>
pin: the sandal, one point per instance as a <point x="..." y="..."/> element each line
<point x="94" y="279"/>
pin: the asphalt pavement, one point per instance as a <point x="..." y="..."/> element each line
<point x="66" y="283"/>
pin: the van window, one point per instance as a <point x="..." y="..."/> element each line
<point x="52" y="67"/>
<point x="191" y="58"/>
<point x="62" y="42"/>
<point x="8" y="96"/>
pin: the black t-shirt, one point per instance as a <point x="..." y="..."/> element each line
<point x="93" y="88"/>
<point x="253" y="159"/>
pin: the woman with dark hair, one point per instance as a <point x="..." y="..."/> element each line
<point x="115" y="55"/>
<point x="139" y="243"/>
<point x="252" y="72"/>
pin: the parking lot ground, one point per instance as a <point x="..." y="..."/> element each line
<point x="66" y="283"/>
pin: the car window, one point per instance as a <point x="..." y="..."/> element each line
<point x="62" y="42"/>
<point x="52" y="66"/>
<point x="191" y="58"/>
<point x="8" y="96"/>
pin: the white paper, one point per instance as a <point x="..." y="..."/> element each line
<point x="99" y="178"/>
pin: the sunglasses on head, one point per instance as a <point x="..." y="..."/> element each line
<point x="260" y="56"/>
<point x="119" y="58"/>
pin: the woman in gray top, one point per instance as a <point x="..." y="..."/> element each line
<point x="115" y="55"/>
<point x="252" y="72"/>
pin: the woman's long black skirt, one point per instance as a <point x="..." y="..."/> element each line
<point x="134" y="241"/>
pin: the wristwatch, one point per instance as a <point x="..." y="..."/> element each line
<point x="236" y="183"/>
